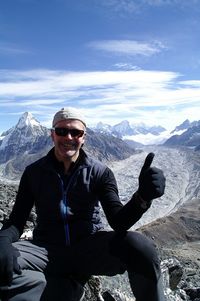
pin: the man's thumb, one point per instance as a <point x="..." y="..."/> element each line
<point x="147" y="162"/>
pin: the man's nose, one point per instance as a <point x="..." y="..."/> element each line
<point x="68" y="136"/>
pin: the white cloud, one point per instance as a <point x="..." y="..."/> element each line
<point x="128" y="47"/>
<point x="58" y="83"/>
<point x="126" y="66"/>
<point x="191" y="83"/>
<point x="154" y="97"/>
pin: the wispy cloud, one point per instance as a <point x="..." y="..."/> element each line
<point x="124" y="7"/>
<point x="12" y="49"/>
<point x="126" y="66"/>
<point x="128" y="47"/>
<point x="109" y="96"/>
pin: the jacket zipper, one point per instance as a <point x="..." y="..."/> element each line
<point x="63" y="206"/>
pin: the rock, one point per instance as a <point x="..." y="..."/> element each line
<point x="172" y="272"/>
<point x="93" y="290"/>
<point x="193" y="293"/>
<point x="115" y="296"/>
<point x="107" y="296"/>
<point x="175" y="272"/>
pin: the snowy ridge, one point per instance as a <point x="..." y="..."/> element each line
<point x="149" y="135"/>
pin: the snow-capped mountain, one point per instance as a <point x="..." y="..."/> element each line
<point x="140" y="134"/>
<point x="190" y="137"/>
<point x="124" y="128"/>
<point x="29" y="141"/>
<point x="135" y="135"/>
<point x="27" y="136"/>
<point x="184" y="126"/>
<point x="102" y="127"/>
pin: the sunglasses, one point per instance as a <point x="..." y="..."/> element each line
<point x="75" y="133"/>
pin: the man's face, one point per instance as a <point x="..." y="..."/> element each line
<point x="68" y="137"/>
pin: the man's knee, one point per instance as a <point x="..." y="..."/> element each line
<point x="62" y="289"/>
<point x="138" y="253"/>
<point x="36" y="279"/>
<point x="27" y="286"/>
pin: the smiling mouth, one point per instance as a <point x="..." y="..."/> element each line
<point x="68" y="146"/>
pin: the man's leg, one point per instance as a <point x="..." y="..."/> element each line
<point x="108" y="253"/>
<point x="25" y="287"/>
<point x="33" y="284"/>
<point x="142" y="263"/>
<point x="62" y="289"/>
<point x="143" y="286"/>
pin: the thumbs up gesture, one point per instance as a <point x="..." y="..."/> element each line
<point x="151" y="180"/>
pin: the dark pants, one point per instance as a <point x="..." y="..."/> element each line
<point x="104" y="253"/>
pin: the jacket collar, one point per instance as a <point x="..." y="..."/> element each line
<point x="52" y="162"/>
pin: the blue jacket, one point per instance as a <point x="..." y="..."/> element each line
<point x="67" y="206"/>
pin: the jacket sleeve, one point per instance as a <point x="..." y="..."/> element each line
<point x="22" y="206"/>
<point x="120" y="217"/>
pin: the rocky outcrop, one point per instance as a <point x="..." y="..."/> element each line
<point x="175" y="288"/>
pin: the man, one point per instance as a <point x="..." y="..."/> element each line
<point x="69" y="243"/>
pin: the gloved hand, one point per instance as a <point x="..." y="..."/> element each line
<point x="8" y="261"/>
<point x="151" y="180"/>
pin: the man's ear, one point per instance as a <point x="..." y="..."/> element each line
<point x="52" y="135"/>
<point x="84" y="137"/>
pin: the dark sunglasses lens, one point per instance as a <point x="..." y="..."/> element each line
<point x="73" y="132"/>
<point x="61" y="131"/>
<point x="76" y="133"/>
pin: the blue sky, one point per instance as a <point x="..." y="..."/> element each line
<point x="137" y="60"/>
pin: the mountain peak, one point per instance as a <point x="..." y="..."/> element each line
<point x="123" y="123"/>
<point x="27" y="119"/>
<point x="182" y="127"/>
<point x="28" y="136"/>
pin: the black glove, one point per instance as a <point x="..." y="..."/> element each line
<point x="8" y="261"/>
<point x="151" y="180"/>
